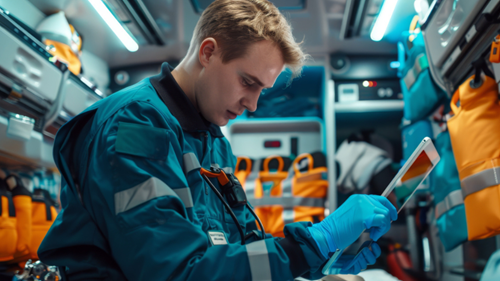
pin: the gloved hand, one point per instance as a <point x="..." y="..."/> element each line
<point x="343" y="227"/>
<point x="350" y="264"/>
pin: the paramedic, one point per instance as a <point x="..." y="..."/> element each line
<point x="134" y="206"/>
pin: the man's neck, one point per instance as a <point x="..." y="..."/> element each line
<point x="185" y="74"/>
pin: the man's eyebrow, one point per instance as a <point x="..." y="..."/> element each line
<point x="254" y="79"/>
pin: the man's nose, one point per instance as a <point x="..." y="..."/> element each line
<point x="250" y="101"/>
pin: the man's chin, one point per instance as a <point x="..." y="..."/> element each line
<point x="222" y="122"/>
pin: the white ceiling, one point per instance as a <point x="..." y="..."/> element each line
<point x="318" y="26"/>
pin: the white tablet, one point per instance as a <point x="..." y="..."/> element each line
<point x="403" y="185"/>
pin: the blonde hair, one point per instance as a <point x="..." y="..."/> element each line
<point x="236" y="24"/>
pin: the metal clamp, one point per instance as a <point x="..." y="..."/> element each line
<point x="38" y="271"/>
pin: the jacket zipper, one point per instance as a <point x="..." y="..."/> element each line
<point x="204" y="141"/>
<point x="204" y="136"/>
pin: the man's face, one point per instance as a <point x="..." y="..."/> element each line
<point x="224" y="91"/>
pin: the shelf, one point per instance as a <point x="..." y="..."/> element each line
<point x="369" y="106"/>
<point x="37" y="151"/>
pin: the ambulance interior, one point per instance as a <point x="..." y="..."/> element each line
<point x="380" y="78"/>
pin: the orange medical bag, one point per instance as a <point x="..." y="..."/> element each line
<point x="475" y="137"/>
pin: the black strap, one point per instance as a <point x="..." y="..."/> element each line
<point x="19" y="189"/>
<point x="481" y="66"/>
<point x="4" y="191"/>
<point x="43" y="196"/>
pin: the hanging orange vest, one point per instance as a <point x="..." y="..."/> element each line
<point x="21" y="198"/>
<point x="262" y="187"/>
<point x="8" y="233"/>
<point x="280" y="197"/>
<point x="311" y="186"/>
<point x="43" y="215"/>
<point x="475" y="137"/>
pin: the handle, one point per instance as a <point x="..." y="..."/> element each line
<point x="281" y="163"/>
<point x="300" y="158"/>
<point x="246" y="160"/>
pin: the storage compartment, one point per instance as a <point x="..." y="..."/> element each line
<point x="285" y="137"/>
<point x="78" y="96"/>
<point x="20" y="62"/>
<point x="448" y="25"/>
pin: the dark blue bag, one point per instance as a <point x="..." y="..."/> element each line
<point x="414" y="134"/>
<point x="450" y="209"/>
<point x="420" y="94"/>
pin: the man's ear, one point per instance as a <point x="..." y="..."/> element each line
<point x="207" y="49"/>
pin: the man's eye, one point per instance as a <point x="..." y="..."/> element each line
<point x="246" y="83"/>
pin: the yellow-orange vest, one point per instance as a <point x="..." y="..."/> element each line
<point x="281" y="197"/>
<point x="43" y="215"/>
<point x="24" y="221"/>
<point x="8" y="232"/>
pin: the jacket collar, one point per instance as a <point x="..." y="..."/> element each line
<point x="179" y="104"/>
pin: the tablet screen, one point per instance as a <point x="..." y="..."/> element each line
<point x="410" y="181"/>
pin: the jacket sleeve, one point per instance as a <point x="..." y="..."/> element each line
<point x="138" y="195"/>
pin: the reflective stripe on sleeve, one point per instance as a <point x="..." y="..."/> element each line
<point x="259" y="261"/>
<point x="480" y="181"/>
<point x="191" y="162"/>
<point x="141" y="193"/>
<point x="185" y="195"/>
<point x="227" y="170"/>
<point x="288" y="202"/>
<point x="452" y="200"/>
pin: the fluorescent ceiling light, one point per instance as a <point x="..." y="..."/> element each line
<point x="383" y="19"/>
<point x="113" y="23"/>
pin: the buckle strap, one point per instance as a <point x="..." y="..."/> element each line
<point x="480" y="181"/>
<point x="452" y="200"/>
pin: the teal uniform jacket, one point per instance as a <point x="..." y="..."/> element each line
<point x="135" y="207"/>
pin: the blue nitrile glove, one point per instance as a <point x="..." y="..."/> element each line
<point x="350" y="264"/>
<point x="340" y="229"/>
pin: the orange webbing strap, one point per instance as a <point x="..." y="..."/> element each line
<point x="22" y="203"/>
<point x="8" y="232"/>
<point x="268" y="195"/>
<point x="312" y="187"/>
<point x="271" y="180"/>
<point x="43" y="215"/>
